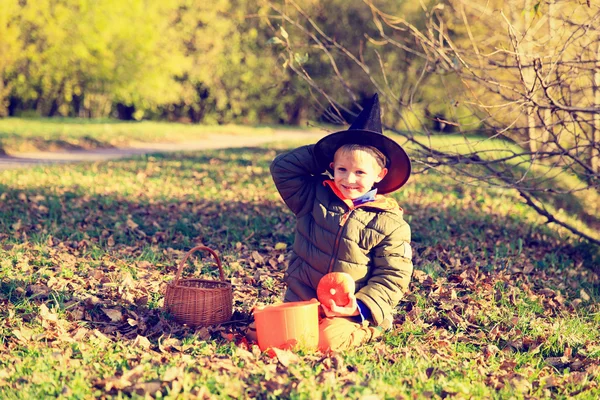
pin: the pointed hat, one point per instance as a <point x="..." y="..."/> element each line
<point x="367" y="130"/>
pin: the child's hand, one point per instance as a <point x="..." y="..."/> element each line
<point x="349" y="310"/>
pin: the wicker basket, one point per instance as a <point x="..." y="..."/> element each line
<point x="199" y="302"/>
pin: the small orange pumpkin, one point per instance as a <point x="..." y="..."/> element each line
<point x="336" y="286"/>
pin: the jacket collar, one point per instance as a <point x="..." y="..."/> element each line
<point x="380" y="202"/>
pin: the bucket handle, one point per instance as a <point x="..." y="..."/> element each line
<point x="189" y="253"/>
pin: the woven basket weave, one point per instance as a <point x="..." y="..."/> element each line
<point x="199" y="302"/>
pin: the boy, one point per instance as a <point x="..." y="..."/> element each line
<point x="346" y="225"/>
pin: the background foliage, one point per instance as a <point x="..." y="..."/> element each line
<point x="192" y="60"/>
<point x="176" y="59"/>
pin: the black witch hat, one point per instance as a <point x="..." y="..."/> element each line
<point x="367" y="130"/>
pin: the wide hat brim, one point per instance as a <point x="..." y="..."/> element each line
<point x="398" y="161"/>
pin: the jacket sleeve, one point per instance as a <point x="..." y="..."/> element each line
<point x="392" y="271"/>
<point x="296" y="174"/>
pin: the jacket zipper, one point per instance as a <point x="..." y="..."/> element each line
<point x="343" y="221"/>
<point x="336" y="245"/>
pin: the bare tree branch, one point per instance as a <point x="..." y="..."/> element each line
<point x="530" y="91"/>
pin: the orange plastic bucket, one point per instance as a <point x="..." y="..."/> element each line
<point x="288" y="325"/>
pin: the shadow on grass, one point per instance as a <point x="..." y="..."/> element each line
<point x="130" y="227"/>
<point x="75" y="121"/>
<point x="171" y="224"/>
<point x="43" y="144"/>
<point x="112" y="224"/>
<point x="553" y="191"/>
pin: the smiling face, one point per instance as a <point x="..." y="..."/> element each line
<point x="355" y="171"/>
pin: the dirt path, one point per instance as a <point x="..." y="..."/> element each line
<point x="216" y="141"/>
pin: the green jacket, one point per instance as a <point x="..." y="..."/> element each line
<point x="371" y="242"/>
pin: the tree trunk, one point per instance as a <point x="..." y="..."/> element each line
<point x="529" y="77"/>
<point x="4" y="91"/>
<point x="595" y="156"/>
<point x="548" y="127"/>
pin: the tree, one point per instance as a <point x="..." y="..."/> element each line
<point x="522" y="73"/>
<point x="10" y="46"/>
<point x="175" y="59"/>
<point x="234" y="76"/>
<point x="81" y="57"/>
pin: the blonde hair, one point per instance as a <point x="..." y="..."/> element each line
<point x="379" y="157"/>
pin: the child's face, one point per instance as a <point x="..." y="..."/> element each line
<point x="355" y="172"/>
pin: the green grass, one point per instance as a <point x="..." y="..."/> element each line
<point x="497" y="298"/>
<point x="44" y="134"/>
<point x="564" y="194"/>
<point x="577" y="207"/>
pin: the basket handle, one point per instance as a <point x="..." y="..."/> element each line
<point x="212" y="252"/>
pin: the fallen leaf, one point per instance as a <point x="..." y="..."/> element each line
<point x="101" y="336"/>
<point x="131" y="225"/>
<point x="24" y="334"/>
<point x="557" y="362"/>
<point x="118" y="383"/>
<point x="114" y="314"/>
<point x="258" y="258"/>
<point x="547" y="292"/>
<point x="172" y="373"/>
<point x="575" y="303"/>
<point x="169" y="343"/>
<point x="490" y="350"/>
<point x="80" y="334"/>
<point x="203" y="333"/>
<point x="142" y="341"/>
<point x="550" y="382"/>
<point x="146" y="388"/>
<point x="38" y="290"/>
<point x="46" y="314"/>
<point x="584" y="296"/>
<point x="286" y="357"/>
<point x="520" y="383"/>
